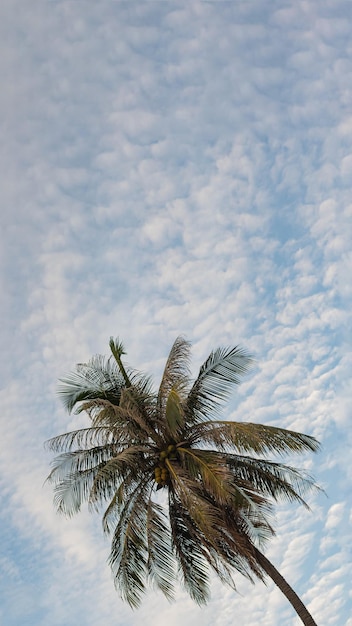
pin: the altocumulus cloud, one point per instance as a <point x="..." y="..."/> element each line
<point x="175" y="169"/>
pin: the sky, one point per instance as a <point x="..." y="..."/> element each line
<point x="168" y="168"/>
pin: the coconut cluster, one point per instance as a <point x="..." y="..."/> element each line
<point x="161" y="473"/>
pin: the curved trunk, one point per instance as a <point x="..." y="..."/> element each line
<point x="291" y="596"/>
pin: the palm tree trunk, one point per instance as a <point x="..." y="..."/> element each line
<point x="290" y="594"/>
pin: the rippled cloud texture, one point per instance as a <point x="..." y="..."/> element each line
<point x="175" y="168"/>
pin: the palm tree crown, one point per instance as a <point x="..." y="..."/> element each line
<point x="217" y="483"/>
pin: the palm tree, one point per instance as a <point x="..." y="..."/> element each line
<point x="184" y="493"/>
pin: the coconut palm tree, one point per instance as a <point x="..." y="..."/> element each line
<point x="184" y="493"/>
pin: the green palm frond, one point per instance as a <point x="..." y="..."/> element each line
<point x="237" y="545"/>
<point x="139" y="409"/>
<point x="256" y="527"/>
<point x="218" y="560"/>
<point x="254" y="438"/>
<point x="174" y="416"/>
<point x="127" y="462"/>
<point x="129" y="550"/>
<point x="73" y="475"/>
<point x="73" y="491"/>
<point x="219" y="373"/>
<point x="211" y="471"/>
<point x="84" y="438"/>
<point x="176" y="372"/>
<point x="100" y="410"/>
<point x="76" y="461"/>
<point x="192" y="496"/>
<point x="99" y="378"/>
<point x="118" y="350"/>
<point x="129" y="420"/>
<point x="161" y="562"/>
<point x="187" y="543"/>
<point x="112" y="513"/>
<point x="277" y="480"/>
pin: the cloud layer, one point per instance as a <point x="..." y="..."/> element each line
<point x="172" y="169"/>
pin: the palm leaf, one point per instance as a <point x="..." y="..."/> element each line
<point x="84" y="438"/>
<point x="140" y="409"/>
<point x="73" y="491"/>
<point x="129" y="551"/>
<point x="277" y="480"/>
<point x="174" y="414"/>
<point x="160" y="565"/>
<point x="219" y="373"/>
<point x="210" y="470"/>
<point x="176" y="372"/>
<point x="74" y="474"/>
<point x="112" y="513"/>
<point x="187" y="543"/>
<point x="118" y="350"/>
<point x="254" y="438"/>
<point x="237" y="530"/>
<point x="127" y="462"/>
<point x="192" y="496"/>
<point x="76" y="461"/>
<point x="99" y="378"/>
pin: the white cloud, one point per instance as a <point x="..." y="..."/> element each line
<point x="176" y="169"/>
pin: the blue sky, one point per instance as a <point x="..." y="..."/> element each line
<point x="175" y="168"/>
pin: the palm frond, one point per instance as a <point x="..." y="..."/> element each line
<point x="73" y="475"/>
<point x="176" y="372"/>
<point x="237" y="546"/>
<point x="210" y="470"/>
<point x="204" y="514"/>
<point x="219" y="373"/>
<point x="112" y="513"/>
<point x="83" y="438"/>
<point x="100" y="410"/>
<point x="75" y="461"/>
<point x="277" y="480"/>
<point x="99" y="378"/>
<point x="217" y="558"/>
<point x="140" y="410"/>
<point x="129" y="550"/>
<point x="187" y="543"/>
<point x="160" y="565"/>
<point x="127" y="462"/>
<point x="253" y="438"/>
<point x="73" y="491"/>
<point x="118" y="350"/>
